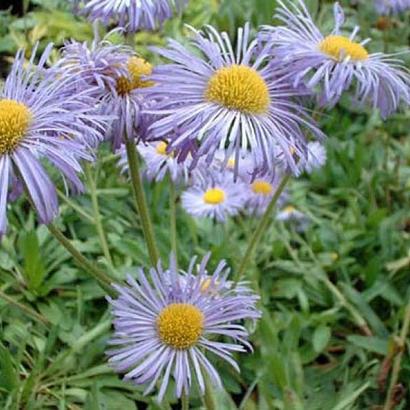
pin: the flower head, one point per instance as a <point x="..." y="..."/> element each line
<point x="159" y="162"/>
<point x="131" y="15"/>
<point x="226" y="98"/>
<point x="213" y="195"/>
<point x="41" y="119"/>
<point x="166" y="321"/>
<point x="99" y="64"/>
<point x="333" y="63"/>
<point x="260" y="192"/>
<point x="387" y="7"/>
<point x="117" y="75"/>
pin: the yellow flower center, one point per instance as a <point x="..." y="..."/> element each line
<point x="231" y="163"/>
<point x="289" y="209"/>
<point x="214" y="196"/>
<point x="239" y="87"/>
<point x="161" y="148"/>
<point x="180" y="325"/>
<point x="15" y="118"/>
<point x="137" y="68"/>
<point x="340" y="47"/>
<point x="262" y="187"/>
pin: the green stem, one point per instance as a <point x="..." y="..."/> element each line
<point x="76" y="207"/>
<point x="401" y="342"/>
<point x="261" y="228"/>
<point x="103" y="279"/>
<point x="173" y="218"/>
<point x="130" y="40"/>
<point x="361" y="323"/>
<point x="97" y="215"/>
<point x="208" y="397"/>
<point x="185" y="401"/>
<point x="27" y="310"/>
<point x="140" y="200"/>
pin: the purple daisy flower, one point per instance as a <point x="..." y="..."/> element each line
<point x="226" y="98"/>
<point x="117" y="76"/>
<point x="213" y="195"/>
<point x="260" y="192"/>
<point x="158" y="162"/>
<point x="166" y="322"/>
<point x="131" y="15"/>
<point x="99" y="64"/>
<point x="335" y="63"/>
<point x="257" y="190"/>
<point x="387" y="7"/>
<point x="40" y="118"/>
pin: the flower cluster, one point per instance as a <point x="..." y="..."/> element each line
<point x="159" y="162"/>
<point x="213" y="191"/>
<point x="226" y="123"/>
<point x="228" y="98"/>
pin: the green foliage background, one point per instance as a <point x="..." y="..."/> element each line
<point x="333" y="297"/>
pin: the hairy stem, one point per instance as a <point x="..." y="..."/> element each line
<point x="173" y="218"/>
<point x="140" y="201"/>
<point x="261" y="228"/>
<point x="103" y="279"/>
<point x="208" y="397"/>
<point x="97" y="215"/>
<point x="185" y="401"/>
<point x="75" y="206"/>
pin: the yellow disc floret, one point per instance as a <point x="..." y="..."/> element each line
<point x="137" y="68"/>
<point x="161" y="148"/>
<point x="340" y="47"/>
<point x="262" y="187"/>
<point x="231" y="163"/>
<point x="240" y="88"/>
<point x="214" y="196"/>
<point x="15" y="118"/>
<point x="180" y="325"/>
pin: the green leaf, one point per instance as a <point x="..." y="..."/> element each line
<point x="8" y="374"/>
<point x="34" y="271"/>
<point x="370" y="343"/>
<point x="321" y="337"/>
